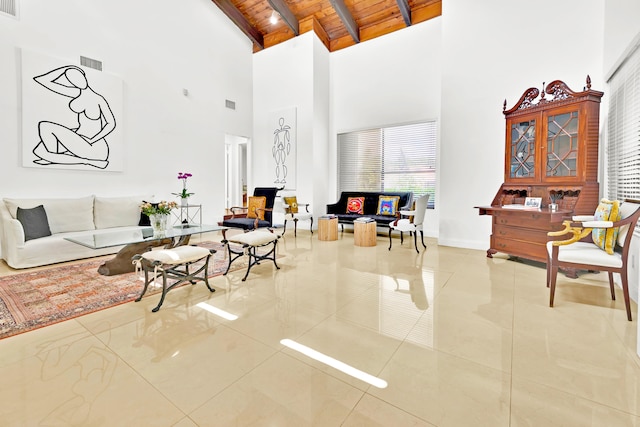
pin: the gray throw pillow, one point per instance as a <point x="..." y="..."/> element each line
<point x="34" y="222"/>
<point x="144" y="219"/>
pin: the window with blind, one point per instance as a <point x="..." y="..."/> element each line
<point x="623" y="145"/>
<point x="398" y="158"/>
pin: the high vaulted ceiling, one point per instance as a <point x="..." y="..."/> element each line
<point x="338" y="23"/>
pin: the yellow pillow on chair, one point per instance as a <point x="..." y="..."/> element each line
<point x="292" y="203"/>
<point x="605" y="238"/>
<point x="256" y="202"/>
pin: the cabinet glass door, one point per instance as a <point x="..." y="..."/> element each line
<point x="523" y="149"/>
<point x="562" y="145"/>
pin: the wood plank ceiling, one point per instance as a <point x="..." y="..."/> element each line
<point x="338" y="23"/>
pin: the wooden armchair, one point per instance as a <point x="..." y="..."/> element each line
<point x="259" y="211"/>
<point x="295" y="211"/>
<point x="579" y="252"/>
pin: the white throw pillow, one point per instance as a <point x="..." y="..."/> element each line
<point x="117" y="211"/>
<point x="64" y="214"/>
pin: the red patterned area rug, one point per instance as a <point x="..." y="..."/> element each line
<point x="35" y="299"/>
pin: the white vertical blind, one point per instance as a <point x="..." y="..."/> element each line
<point x="623" y="149"/>
<point x="398" y="158"/>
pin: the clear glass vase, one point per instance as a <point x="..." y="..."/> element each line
<point x="159" y="223"/>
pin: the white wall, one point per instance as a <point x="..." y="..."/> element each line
<point x="158" y="49"/>
<point x="319" y="155"/>
<point x="621" y="26"/>
<point x="293" y="74"/>
<point x="494" y="50"/>
<point x="390" y="80"/>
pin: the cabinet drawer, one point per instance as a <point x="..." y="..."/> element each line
<point x="519" y="233"/>
<point x="527" y="219"/>
<point x="529" y="250"/>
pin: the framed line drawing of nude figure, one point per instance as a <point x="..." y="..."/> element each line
<point x="284" y="147"/>
<point x="71" y="116"/>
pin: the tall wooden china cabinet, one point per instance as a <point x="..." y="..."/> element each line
<point x="551" y="152"/>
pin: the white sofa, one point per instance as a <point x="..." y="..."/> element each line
<point x="66" y="217"/>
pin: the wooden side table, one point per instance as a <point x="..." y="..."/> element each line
<point x="365" y="233"/>
<point x="327" y="229"/>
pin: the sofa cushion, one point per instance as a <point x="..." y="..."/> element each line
<point x="34" y="222"/>
<point x="387" y="205"/>
<point x="349" y="218"/>
<point x="144" y="218"/>
<point x="64" y="215"/>
<point x="245" y="223"/>
<point x="112" y="212"/>
<point x="355" y="205"/>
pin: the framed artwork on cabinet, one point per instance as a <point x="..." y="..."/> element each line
<point x="533" y="202"/>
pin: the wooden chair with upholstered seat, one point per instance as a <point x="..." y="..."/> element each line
<point x="257" y="214"/>
<point x="581" y="253"/>
<point x="295" y="211"/>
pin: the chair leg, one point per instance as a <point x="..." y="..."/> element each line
<point x="611" y="286"/>
<point x="285" y="227"/>
<point x="390" y="241"/>
<point x="549" y="265"/>
<point x="548" y="271"/>
<point x="311" y="226"/>
<point x="422" y="239"/>
<point x="625" y="292"/>
<point x="295" y="227"/>
<point x="164" y="292"/>
<point x="553" y="275"/>
<point x="415" y="240"/>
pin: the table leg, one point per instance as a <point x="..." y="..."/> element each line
<point x="121" y="263"/>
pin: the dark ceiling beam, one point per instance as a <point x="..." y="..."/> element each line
<point x="347" y="19"/>
<point x="405" y="10"/>
<point x="236" y="16"/>
<point x="283" y="10"/>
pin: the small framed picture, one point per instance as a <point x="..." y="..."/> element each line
<point x="533" y="202"/>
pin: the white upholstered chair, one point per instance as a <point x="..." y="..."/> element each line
<point x="295" y="211"/>
<point x="580" y="253"/>
<point x="411" y="222"/>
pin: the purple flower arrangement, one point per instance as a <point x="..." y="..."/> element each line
<point x="184" y="193"/>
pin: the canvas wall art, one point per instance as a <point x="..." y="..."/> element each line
<point x="71" y="115"/>
<point x="283" y="125"/>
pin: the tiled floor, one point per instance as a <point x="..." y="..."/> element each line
<point x="460" y="339"/>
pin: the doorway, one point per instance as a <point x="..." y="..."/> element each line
<point x="236" y="159"/>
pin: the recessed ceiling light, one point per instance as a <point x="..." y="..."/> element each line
<point x="274" y="18"/>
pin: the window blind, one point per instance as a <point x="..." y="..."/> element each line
<point x="398" y="158"/>
<point x="623" y="131"/>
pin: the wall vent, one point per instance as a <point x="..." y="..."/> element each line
<point x="9" y="8"/>
<point x="230" y="104"/>
<point x="91" y="63"/>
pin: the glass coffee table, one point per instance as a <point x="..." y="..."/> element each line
<point x="137" y="241"/>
